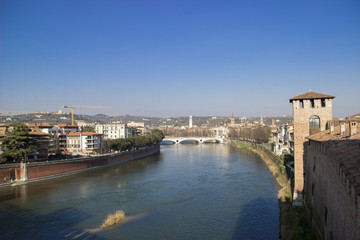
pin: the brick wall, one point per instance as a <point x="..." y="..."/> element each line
<point x="48" y="169"/>
<point x="335" y="208"/>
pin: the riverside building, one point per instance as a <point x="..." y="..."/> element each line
<point x="84" y="142"/>
<point x="115" y="130"/>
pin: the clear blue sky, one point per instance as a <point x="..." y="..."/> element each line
<point x="178" y="58"/>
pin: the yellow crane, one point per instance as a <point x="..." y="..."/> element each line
<point x="73" y="107"/>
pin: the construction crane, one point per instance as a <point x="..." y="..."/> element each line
<point x="73" y="107"/>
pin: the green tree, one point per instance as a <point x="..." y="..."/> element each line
<point x="106" y="145"/>
<point x="18" y="143"/>
<point x="159" y="136"/>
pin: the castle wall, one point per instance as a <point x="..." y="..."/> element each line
<point x="328" y="192"/>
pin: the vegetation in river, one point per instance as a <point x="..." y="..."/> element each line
<point x="113" y="219"/>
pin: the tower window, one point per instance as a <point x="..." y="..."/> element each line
<point x="314" y="124"/>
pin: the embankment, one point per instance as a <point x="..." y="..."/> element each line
<point x="43" y="170"/>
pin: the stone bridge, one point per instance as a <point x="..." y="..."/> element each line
<point x="177" y="140"/>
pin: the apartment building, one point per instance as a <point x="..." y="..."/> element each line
<point x="84" y="142"/>
<point x="115" y="130"/>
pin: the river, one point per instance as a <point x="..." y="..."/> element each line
<point x="205" y="191"/>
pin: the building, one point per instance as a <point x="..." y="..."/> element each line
<point x="232" y="120"/>
<point x="84" y="142"/>
<point x="139" y="126"/>
<point x="4" y="130"/>
<point x="112" y="130"/>
<point x="115" y="130"/>
<point x="332" y="179"/>
<point x="311" y="112"/>
<point x="43" y="139"/>
<point x="56" y="133"/>
<point x="190" y="122"/>
<point x="283" y="139"/>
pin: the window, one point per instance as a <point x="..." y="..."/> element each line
<point x="314" y="124"/>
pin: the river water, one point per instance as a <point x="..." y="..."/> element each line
<point x="206" y="191"/>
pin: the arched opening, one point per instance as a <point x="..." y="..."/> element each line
<point x="314" y="124"/>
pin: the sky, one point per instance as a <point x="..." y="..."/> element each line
<point x="169" y="58"/>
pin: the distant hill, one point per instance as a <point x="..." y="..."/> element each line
<point x="65" y="118"/>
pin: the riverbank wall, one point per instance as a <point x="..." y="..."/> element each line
<point x="10" y="173"/>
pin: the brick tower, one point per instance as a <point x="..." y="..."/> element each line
<point x="311" y="112"/>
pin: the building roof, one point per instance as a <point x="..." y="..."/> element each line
<point x="40" y="125"/>
<point x="77" y="134"/>
<point x="355" y="117"/>
<point x="311" y="95"/>
<point x="67" y="126"/>
<point x="36" y="132"/>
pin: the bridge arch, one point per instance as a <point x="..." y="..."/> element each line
<point x="178" y="140"/>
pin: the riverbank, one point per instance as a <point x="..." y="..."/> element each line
<point x="293" y="220"/>
<point x="13" y="174"/>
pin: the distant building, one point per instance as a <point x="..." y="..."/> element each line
<point x="43" y="139"/>
<point x="115" y="130"/>
<point x="221" y="132"/>
<point x="283" y="139"/>
<point x="84" y="142"/>
<point x="332" y="179"/>
<point x="4" y="130"/>
<point x="139" y="126"/>
<point x="311" y="112"/>
<point x="232" y="120"/>
<point x="190" y="122"/>
<point x="56" y="133"/>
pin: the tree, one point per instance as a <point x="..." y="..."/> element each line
<point x="261" y="134"/>
<point x="18" y="143"/>
<point x="159" y="135"/>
